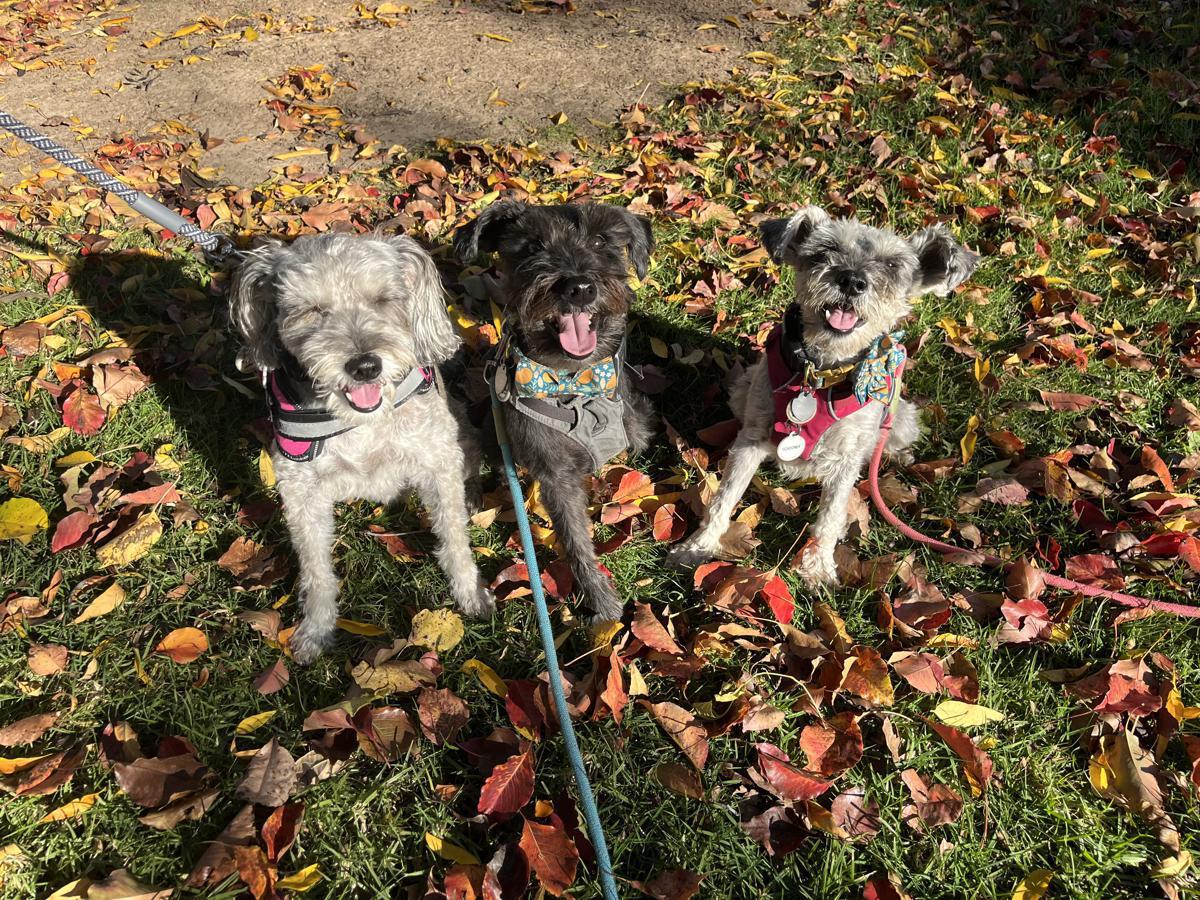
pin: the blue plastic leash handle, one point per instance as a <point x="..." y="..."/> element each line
<point x="586" y="798"/>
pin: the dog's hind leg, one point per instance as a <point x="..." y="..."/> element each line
<point x="566" y="501"/>
<point x="746" y="456"/>
<point x="311" y="525"/>
<point x="443" y="493"/>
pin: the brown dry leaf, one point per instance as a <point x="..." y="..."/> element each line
<point x="273" y="678"/>
<point x="108" y="600"/>
<point x="47" y="659"/>
<point x="183" y="645"/>
<point x="867" y="677"/>
<point x="252" y="564"/>
<point x="680" y="779"/>
<point x="27" y="730"/>
<point x="683" y="728"/>
<point x="271" y="776"/>
<point x="394" y="676"/>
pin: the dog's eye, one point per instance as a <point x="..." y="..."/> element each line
<point x="893" y="264"/>
<point x="597" y="242"/>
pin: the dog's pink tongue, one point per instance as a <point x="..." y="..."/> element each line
<point x="842" y="319"/>
<point x="575" y="333"/>
<point x="364" y="396"/>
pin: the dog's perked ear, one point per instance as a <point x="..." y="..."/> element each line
<point x="252" y="307"/>
<point x="482" y="235"/>
<point x="942" y="263"/>
<point x="434" y="337"/>
<point x="640" y="243"/>
<point x="781" y="237"/>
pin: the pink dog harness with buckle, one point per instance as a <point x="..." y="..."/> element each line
<point x="807" y="405"/>
<point x="300" y="426"/>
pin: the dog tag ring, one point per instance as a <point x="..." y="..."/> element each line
<point x="791" y="447"/>
<point x="802" y="408"/>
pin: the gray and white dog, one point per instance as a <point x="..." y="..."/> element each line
<point x="564" y="273"/>
<point x="347" y="332"/>
<point x="853" y="285"/>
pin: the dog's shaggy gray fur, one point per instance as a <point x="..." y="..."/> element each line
<point x="839" y="264"/>
<point x="546" y="254"/>
<point x="323" y="302"/>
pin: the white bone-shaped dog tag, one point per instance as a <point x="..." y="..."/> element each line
<point x="802" y="408"/>
<point x="791" y="448"/>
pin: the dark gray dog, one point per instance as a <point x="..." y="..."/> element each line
<point x="570" y="405"/>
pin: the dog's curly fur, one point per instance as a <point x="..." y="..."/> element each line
<point x="322" y="302"/>
<point x="542" y="251"/>
<point x="887" y="272"/>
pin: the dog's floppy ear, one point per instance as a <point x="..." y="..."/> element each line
<point x="942" y="263"/>
<point x="641" y="241"/>
<point x="252" y="307"/>
<point x="482" y="235"/>
<point x="782" y="236"/>
<point x="434" y="337"/>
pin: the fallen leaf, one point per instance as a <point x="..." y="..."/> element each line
<point x="683" y="728"/>
<point x="437" y="629"/>
<point x="508" y="788"/>
<point x="552" y="855"/>
<point x="1033" y="886"/>
<point x="965" y="715"/>
<point x="133" y="543"/>
<point x="47" y="659"/>
<point x="271" y="776"/>
<point x="183" y="645"/>
<point x="108" y="600"/>
<point x="21" y="519"/>
<point x="27" y="730"/>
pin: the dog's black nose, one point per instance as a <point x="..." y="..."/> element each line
<point x="852" y="283"/>
<point x="576" y="291"/>
<point x="364" y="367"/>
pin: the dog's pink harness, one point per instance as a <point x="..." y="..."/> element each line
<point x="300" y="426"/>
<point x="805" y="410"/>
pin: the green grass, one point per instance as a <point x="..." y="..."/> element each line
<point x="365" y="827"/>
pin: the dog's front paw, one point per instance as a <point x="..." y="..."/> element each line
<point x="818" y="571"/>
<point x="309" y="641"/>
<point x="606" y="606"/>
<point x="687" y="556"/>
<point x="479" y="604"/>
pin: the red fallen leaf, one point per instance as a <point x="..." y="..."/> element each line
<point x="527" y="706"/>
<point x="720" y="434"/>
<point x="977" y="765"/>
<point x="82" y="412"/>
<point x="634" y="485"/>
<point x="780" y="600"/>
<point x="507" y="874"/>
<point x="650" y="631"/>
<point x="508" y="788"/>
<point x="1191" y="746"/>
<point x="463" y="882"/>
<point x="1025" y="581"/>
<point x="1067" y="402"/>
<point x="50" y="774"/>
<point x="854" y="814"/>
<point x="552" y="856"/>
<point x="442" y="713"/>
<point x="1025" y="622"/>
<point x="921" y="670"/>
<point x="72" y="531"/>
<point x="1150" y="459"/>
<point x="1095" y="569"/>
<point x="256" y="871"/>
<point x="671" y="884"/>
<point x="669" y="523"/>
<point x="885" y="889"/>
<point x="164" y="494"/>
<point x="683" y="728"/>
<point x="832" y="746"/>
<point x="280" y="829"/>
<point x="785" y="780"/>
<point x="868" y="678"/>
<point x="1189" y="552"/>
<point x="921" y="607"/>
<point x="931" y="806"/>
<point x="615" y="513"/>
<point x="779" y="829"/>
<point x="273" y="678"/>
<point x="980" y="214"/>
<point x="962" y="678"/>
<point x="385" y="732"/>
<point x="1131" y="689"/>
<point x="614" y="697"/>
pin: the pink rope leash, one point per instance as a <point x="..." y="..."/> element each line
<point x="1055" y="581"/>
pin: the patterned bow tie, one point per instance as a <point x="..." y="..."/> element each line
<point x="532" y="379"/>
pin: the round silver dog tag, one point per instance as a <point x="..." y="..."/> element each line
<point x="791" y="447"/>
<point x="802" y="408"/>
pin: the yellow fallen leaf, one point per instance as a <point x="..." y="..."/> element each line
<point x="437" y="629"/>
<point x="603" y="634"/>
<point x="108" y="600"/>
<point x="10" y="766"/>
<point x="266" y="469"/>
<point x="22" y="518"/>
<point x="297" y="154"/>
<point x="659" y="347"/>
<point x="366" y="629"/>
<point x="133" y="543"/>
<point x="559" y="118"/>
<point x="251" y="724"/>
<point x="78" y="458"/>
<point x="487" y="676"/>
<point x="952" y="640"/>
<point x="1033" y="886"/>
<point x="164" y="461"/>
<point x="187" y="29"/>
<point x="637" y="684"/>
<point x="1172" y="866"/>
<point x="495" y="37"/>
<point x="446" y="850"/>
<point x="71" y="810"/>
<point x="1179" y="712"/>
<point x="969" y="439"/>
<point x="966" y="715"/>
<point x="299" y="882"/>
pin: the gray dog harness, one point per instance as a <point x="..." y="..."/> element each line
<point x="595" y="422"/>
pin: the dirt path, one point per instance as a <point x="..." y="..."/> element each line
<point x="409" y="73"/>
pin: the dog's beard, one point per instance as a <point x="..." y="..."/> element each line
<point x="837" y="328"/>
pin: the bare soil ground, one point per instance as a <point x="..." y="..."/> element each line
<point x="414" y="72"/>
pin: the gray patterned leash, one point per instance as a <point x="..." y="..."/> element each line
<point x="219" y="248"/>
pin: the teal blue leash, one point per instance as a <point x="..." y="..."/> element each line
<point x="586" y="799"/>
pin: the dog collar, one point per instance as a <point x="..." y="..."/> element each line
<point x="300" y="425"/>
<point x="532" y="379"/>
<point x="807" y="406"/>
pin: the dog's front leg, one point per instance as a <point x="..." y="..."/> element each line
<point x="745" y="457"/>
<point x="566" y="501"/>
<point x="444" y="495"/>
<point x="310" y="524"/>
<point x="818" y="568"/>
